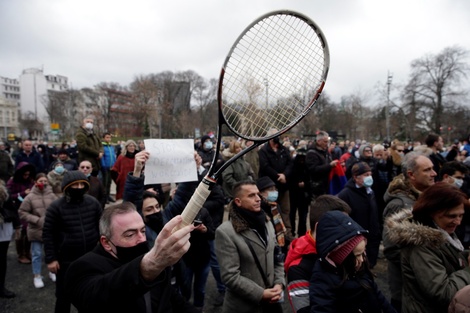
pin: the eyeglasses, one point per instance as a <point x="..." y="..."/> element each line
<point x="367" y="150"/>
<point x="400" y="150"/>
<point x="85" y="167"/>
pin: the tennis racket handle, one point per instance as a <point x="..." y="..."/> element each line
<point x="195" y="204"/>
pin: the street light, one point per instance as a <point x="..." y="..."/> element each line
<point x="387" y="111"/>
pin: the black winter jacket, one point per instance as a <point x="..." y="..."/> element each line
<point x="98" y="282"/>
<point x="71" y="228"/>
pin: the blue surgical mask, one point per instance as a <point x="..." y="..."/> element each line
<point x="458" y="182"/>
<point x="208" y="145"/>
<point x="272" y="196"/>
<point x="59" y="169"/>
<point x="368" y="181"/>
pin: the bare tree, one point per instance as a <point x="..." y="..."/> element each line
<point x="435" y="83"/>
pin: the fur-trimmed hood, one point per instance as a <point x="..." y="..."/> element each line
<point x="238" y="222"/>
<point x="424" y="150"/>
<point x="399" y="185"/>
<point x="404" y="231"/>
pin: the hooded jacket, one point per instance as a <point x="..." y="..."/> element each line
<point x="328" y="291"/>
<point x="400" y="195"/>
<point x="298" y="265"/>
<point x="433" y="270"/>
<point x="71" y="226"/>
<point x="33" y="210"/>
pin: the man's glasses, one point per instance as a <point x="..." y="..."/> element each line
<point x="367" y="150"/>
<point x="85" y="167"/>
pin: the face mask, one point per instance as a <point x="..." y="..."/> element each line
<point x="272" y="196"/>
<point x="155" y="221"/>
<point x="89" y="125"/>
<point x="59" y="169"/>
<point x="127" y="254"/>
<point x="208" y="145"/>
<point x="76" y="193"/>
<point x="458" y="182"/>
<point x="368" y="181"/>
<point x="41" y="186"/>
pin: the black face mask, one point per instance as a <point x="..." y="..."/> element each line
<point x="127" y="254"/>
<point x="76" y="193"/>
<point x="155" y="221"/>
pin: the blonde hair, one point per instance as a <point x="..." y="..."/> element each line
<point x="234" y="144"/>
<point x="129" y="142"/>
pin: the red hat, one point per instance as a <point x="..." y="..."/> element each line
<point x="339" y="254"/>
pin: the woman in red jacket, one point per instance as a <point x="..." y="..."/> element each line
<point x="124" y="164"/>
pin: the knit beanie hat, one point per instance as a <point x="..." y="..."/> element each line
<point x="360" y="168"/>
<point x="72" y="177"/>
<point x="264" y="182"/>
<point x="339" y="254"/>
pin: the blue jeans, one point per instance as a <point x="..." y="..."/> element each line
<point x="199" y="286"/>
<point x="216" y="268"/>
<point x="36" y="256"/>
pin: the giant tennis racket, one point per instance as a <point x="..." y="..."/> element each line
<point x="271" y="78"/>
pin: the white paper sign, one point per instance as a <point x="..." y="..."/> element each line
<point x="171" y="161"/>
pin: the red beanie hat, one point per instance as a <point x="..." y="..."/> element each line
<point x="339" y="254"/>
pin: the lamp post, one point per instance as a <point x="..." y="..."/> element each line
<point x="387" y="109"/>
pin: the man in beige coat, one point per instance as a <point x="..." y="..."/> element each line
<point x="247" y="289"/>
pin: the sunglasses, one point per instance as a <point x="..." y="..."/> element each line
<point x="83" y="167"/>
<point x="400" y="150"/>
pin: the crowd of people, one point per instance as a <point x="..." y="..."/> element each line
<point x="306" y="223"/>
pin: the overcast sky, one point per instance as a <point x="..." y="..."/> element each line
<point x="92" y="41"/>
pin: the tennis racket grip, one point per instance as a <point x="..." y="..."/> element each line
<point x="196" y="202"/>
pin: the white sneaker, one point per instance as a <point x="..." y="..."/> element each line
<point x="38" y="283"/>
<point x="52" y="276"/>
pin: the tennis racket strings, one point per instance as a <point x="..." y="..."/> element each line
<point x="271" y="75"/>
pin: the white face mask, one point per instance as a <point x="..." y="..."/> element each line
<point x="368" y="181"/>
<point x="458" y="182"/>
<point x="89" y="125"/>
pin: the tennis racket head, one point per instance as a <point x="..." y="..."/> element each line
<point x="272" y="75"/>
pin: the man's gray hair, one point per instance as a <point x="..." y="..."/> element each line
<point x="111" y="211"/>
<point x="409" y="163"/>
<point x="322" y="135"/>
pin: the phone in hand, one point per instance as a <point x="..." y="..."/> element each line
<point x="197" y="222"/>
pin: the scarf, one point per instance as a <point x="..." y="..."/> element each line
<point x="255" y="220"/>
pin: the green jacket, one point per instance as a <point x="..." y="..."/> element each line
<point x="433" y="270"/>
<point x="89" y="147"/>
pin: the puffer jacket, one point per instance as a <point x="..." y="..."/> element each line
<point x="433" y="269"/>
<point x="298" y="265"/>
<point x="71" y="228"/>
<point x="33" y="211"/>
<point x="328" y="290"/>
